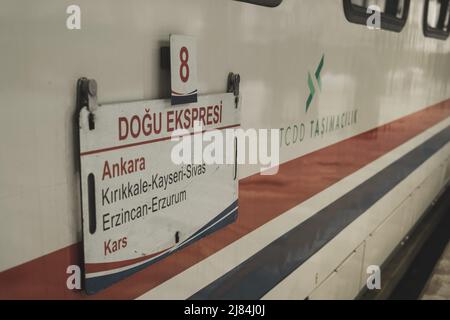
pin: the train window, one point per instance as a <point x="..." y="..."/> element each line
<point x="436" y="19"/>
<point x="266" y="3"/>
<point x="394" y="13"/>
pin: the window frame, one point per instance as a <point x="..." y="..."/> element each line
<point x="264" y="3"/>
<point x="358" y="14"/>
<point x="431" y="32"/>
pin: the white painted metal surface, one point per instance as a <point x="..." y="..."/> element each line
<point x="344" y="282"/>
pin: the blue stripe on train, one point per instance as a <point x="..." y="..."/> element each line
<point x="256" y="276"/>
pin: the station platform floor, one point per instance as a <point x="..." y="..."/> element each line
<point x="438" y="285"/>
<point x="428" y="273"/>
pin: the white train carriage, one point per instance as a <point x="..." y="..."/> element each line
<point x="363" y="115"/>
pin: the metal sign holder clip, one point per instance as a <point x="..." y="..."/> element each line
<point x="87" y="97"/>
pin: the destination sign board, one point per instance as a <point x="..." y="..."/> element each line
<point x="138" y="205"/>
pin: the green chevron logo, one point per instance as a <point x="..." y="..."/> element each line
<point x="312" y="88"/>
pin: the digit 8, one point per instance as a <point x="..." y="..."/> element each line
<point x="184" y="67"/>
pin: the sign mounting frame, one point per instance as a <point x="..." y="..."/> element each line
<point x="92" y="121"/>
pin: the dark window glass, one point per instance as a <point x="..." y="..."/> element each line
<point x="394" y="13"/>
<point x="266" y="3"/>
<point x="436" y="19"/>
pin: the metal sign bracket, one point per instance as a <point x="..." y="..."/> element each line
<point x="234" y="81"/>
<point x="87" y="97"/>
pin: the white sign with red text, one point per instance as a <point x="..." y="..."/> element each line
<point x="138" y="206"/>
<point x="183" y="68"/>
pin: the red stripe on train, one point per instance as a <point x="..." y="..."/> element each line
<point x="261" y="199"/>
<point x="106" y="266"/>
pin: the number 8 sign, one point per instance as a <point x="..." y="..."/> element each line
<point x="183" y="65"/>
